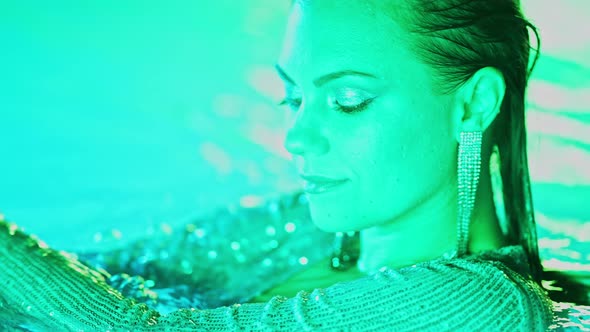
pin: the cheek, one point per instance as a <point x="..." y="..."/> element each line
<point x="404" y="149"/>
<point x="380" y="153"/>
<point x="393" y="160"/>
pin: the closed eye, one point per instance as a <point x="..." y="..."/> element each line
<point x="294" y="104"/>
<point x="354" y="108"/>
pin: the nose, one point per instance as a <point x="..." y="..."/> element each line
<point x="305" y="136"/>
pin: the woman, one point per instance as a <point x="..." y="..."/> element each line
<point x="397" y="104"/>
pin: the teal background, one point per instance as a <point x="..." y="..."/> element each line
<point x="119" y="115"/>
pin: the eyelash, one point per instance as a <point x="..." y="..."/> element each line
<point x="295" y="103"/>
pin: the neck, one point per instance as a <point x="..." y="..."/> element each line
<point x="429" y="230"/>
<point x="420" y="234"/>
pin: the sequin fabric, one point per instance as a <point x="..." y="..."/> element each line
<point x="219" y="259"/>
<point x="213" y="268"/>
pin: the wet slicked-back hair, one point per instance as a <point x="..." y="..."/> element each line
<point x="459" y="37"/>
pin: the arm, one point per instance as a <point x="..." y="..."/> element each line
<point x="46" y="290"/>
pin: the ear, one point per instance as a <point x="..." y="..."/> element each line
<point x="479" y="100"/>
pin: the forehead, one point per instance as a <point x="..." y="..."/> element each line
<point x="329" y="35"/>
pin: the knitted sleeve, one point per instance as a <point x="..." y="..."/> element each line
<point x="45" y="290"/>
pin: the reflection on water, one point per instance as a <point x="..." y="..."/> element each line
<point x="563" y="247"/>
<point x="571" y="317"/>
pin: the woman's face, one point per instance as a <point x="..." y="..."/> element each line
<point x="396" y="148"/>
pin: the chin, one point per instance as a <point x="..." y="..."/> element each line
<point x="332" y="225"/>
<point x="334" y="216"/>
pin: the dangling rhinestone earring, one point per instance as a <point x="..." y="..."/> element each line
<point x="498" y="190"/>
<point x="345" y="251"/>
<point x="468" y="168"/>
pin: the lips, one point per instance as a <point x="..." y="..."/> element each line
<point x="320" y="184"/>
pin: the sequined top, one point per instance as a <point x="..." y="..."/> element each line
<point x="201" y="277"/>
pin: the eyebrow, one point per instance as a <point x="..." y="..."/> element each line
<point x="325" y="78"/>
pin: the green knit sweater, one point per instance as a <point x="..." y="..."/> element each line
<point x="46" y="290"/>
